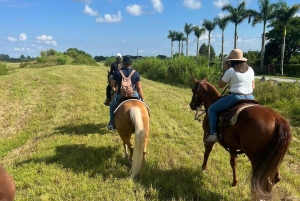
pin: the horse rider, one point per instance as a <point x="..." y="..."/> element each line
<point x="116" y="81"/>
<point x="240" y="77"/>
<point x="113" y="67"/>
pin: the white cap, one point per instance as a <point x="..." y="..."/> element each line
<point x="118" y="55"/>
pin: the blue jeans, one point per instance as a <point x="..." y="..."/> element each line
<point x="115" y="101"/>
<point x="222" y="104"/>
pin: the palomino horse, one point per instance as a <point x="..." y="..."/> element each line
<point x="7" y="186"/>
<point x="132" y="116"/>
<point x="260" y="132"/>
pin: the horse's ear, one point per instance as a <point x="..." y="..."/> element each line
<point x="204" y="79"/>
<point x="195" y="80"/>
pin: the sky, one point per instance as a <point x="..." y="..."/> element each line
<point x="108" y="27"/>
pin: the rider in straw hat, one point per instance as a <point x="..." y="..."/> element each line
<point x="240" y="77"/>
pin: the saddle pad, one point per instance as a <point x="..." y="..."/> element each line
<point x="130" y="100"/>
<point x="233" y="119"/>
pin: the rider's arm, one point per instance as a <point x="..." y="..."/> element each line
<point x="139" y="90"/>
<point x="226" y="66"/>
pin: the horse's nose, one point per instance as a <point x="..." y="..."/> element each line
<point x="192" y="106"/>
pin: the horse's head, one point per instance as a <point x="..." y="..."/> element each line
<point x="196" y="101"/>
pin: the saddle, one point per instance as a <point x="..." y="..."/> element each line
<point x="229" y="118"/>
<point x="125" y="99"/>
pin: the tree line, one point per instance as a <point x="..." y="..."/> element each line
<point x="280" y="16"/>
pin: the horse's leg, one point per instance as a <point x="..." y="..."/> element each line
<point x="125" y="150"/>
<point x="145" y="148"/>
<point x="126" y="141"/>
<point x="208" y="148"/>
<point x="277" y="178"/>
<point x="233" y="166"/>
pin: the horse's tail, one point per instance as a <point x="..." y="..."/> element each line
<point x="265" y="166"/>
<point x="139" y="141"/>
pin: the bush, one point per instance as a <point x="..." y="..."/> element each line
<point x="40" y="59"/>
<point x="84" y="59"/>
<point x="24" y="64"/>
<point x="3" y="69"/>
<point x="178" y="70"/>
<point x="62" y="60"/>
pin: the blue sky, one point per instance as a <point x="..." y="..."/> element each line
<point x="106" y="27"/>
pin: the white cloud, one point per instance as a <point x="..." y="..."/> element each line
<point x="12" y="39"/>
<point x="22" y="49"/>
<point x="110" y="18"/>
<point x="134" y="9"/>
<point x="222" y="15"/>
<point x="22" y="37"/>
<point x="297" y="15"/>
<point x="192" y="4"/>
<point x="220" y="3"/>
<point x="157" y="5"/>
<point x="87" y="10"/>
<point x="46" y="39"/>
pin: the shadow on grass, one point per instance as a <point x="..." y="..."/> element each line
<point x="83" y="129"/>
<point x="176" y="184"/>
<point x="84" y="159"/>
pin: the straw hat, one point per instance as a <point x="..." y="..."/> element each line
<point x="235" y="55"/>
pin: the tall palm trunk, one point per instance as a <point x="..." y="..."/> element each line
<point x="235" y="35"/>
<point x="262" y="53"/>
<point x="282" y="49"/>
<point x="179" y="48"/>
<point x="208" y="48"/>
<point x="197" y="53"/>
<point x="222" y="49"/>
<point x="187" y="46"/>
<point x="171" y="49"/>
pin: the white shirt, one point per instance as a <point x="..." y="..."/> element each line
<point x="239" y="82"/>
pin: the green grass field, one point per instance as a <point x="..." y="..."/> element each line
<point x="55" y="144"/>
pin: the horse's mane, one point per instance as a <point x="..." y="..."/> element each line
<point x="210" y="91"/>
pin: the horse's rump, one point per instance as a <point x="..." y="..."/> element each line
<point x="132" y="116"/>
<point x="255" y="124"/>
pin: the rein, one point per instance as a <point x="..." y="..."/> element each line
<point x="200" y="106"/>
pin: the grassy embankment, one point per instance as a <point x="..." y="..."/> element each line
<point x="55" y="144"/>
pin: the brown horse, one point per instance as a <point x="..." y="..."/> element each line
<point x="132" y="116"/>
<point x="260" y="132"/>
<point x="7" y="186"/>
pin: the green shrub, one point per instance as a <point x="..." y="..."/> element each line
<point x="109" y="61"/>
<point x="3" y="69"/>
<point x="178" y="70"/>
<point x="84" y="59"/>
<point x="41" y="59"/>
<point x="62" y="60"/>
<point x="24" y="64"/>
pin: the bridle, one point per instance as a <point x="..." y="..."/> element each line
<point x="199" y="108"/>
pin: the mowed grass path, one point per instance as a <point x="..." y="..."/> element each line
<point x="55" y="144"/>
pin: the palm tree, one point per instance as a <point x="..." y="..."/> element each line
<point x="236" y="15"/>
<point x="188" y="28"/>
<point x="198" y="33"/>
<point x="179" y="37"/>
<point x="222" y="23"/>
<point x="267" y="12"/>
<point x="209" y="26"/>
<point x="172" y="36"/>
<point x="284" y="15"/>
